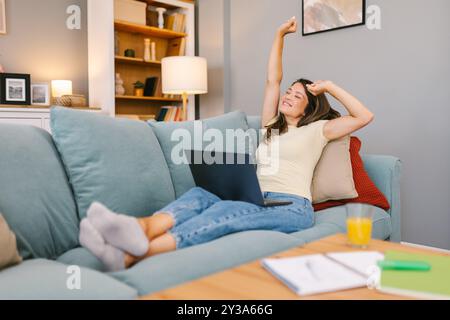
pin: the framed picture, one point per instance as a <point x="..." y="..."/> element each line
<point x="15" y="89"/>
<point x="40" y="94"/>
<point x="2" y="17"/>
<point x="327" y="15"/>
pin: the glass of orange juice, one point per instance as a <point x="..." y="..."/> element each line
<point x="359" y="224"/>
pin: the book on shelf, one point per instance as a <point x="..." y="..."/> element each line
<point x="172" y="96"/>
<point x="161" y="114"/>
<point x="176" y="47"/>
<point x="151" y="84"/>
<point x="169" y="114"/>
<point x="176" y="22"/>
<point x="152" y="18"/>
<point x="169" y="22"/>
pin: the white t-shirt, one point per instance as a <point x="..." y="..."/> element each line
<point x="286" y="164"/>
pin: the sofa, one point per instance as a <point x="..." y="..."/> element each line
<point x="47" y="181"/>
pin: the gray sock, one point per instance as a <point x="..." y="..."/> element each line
<point x="90" y="238"/>
<point x="121" y="231"/>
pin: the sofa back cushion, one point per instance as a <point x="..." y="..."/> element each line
<point x="35" y="198"/>
<point x="117" y="162"/>
<point x="169" y="138"/>
<point x="8" y="246"/>
<point x="180" y="173"/>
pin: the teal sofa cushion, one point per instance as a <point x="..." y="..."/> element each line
<point x="83" y="258"/>
<point x="117" y="162"/>
<point x="171" y="134"/>
<point x="40" y="279"/>
<point x="170" y="269"/>
<point x="333" y="220"/>
<point x="233" y="120"/>
<point x="35" y="195"/>
<point x="180" y="173"/>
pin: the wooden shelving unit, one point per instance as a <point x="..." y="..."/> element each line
<point x="131" y="70"/>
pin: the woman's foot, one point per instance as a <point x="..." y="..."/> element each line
<point x="90" y="238"/>
<point x="122" y="232"/>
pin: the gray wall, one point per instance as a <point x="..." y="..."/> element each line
<point x="401" y="72"/>
<point x="37" y="42"/>
<point x="211" y="29"/>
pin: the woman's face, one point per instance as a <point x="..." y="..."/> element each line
<point x="294" y="101"/>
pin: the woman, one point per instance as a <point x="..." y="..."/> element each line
<point x="302" y="122"/>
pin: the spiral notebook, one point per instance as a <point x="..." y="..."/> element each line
<point x="319" y="273"/>
<point x="434" y="284"/>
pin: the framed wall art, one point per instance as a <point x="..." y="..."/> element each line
<point x="327" y="15"/>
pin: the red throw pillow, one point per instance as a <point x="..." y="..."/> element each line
<point x="367" y="191"/>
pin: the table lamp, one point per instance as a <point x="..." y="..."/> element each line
<point x="185" y="76"/>
<point x="61" y="88"/>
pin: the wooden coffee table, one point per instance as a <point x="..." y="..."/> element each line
<point x="252" y="282"/>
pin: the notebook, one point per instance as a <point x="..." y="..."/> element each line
<point x="319" y="273"/>
<point x="433" y="284"/>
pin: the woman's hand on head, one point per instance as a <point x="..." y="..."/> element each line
<point x="289" y="26"/>
<point x="319" y="87"/>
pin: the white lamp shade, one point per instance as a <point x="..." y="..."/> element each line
<point x="61" y="88"/>
<point x="181" y="74"/>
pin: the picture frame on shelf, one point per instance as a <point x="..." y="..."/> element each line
<point x="327" y="15"/>
<point x="2" y="17"/>
<point x="15" y="89"/>
<point x="40" y="94"/>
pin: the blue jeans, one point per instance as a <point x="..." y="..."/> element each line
<point x="201" y="216"/>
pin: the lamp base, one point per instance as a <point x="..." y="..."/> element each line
<point x="185" y="101"/>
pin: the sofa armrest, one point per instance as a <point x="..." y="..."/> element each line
<point x="385" y="172"/>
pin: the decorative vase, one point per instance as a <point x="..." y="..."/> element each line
<point x="120" y="89"/>
<point x="147" y="53"/>
<point x="153" y="46"/>
<point x="161" y="12"/>
<point x="139" y="92"/>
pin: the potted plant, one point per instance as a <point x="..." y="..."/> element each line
<point x="139" y="89"/>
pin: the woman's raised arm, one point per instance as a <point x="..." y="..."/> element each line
<point x="275" y="72"/>
<point x="359" y="116"/>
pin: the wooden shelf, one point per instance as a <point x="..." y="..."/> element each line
<point x="148" y="31"/>
<point x="157" y="3"/>
<point x="162" y="99"/>
<point x="137" y="61"/>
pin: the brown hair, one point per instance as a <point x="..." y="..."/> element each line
<point x="318" y="108"/>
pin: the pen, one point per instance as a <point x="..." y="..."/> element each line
<point x="311" y="270"/>
<point x="404" y="265"/>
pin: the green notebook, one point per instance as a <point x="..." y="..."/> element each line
<point x="433" y="284"/>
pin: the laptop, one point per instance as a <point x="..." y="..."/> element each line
<point x="230" y="176"/>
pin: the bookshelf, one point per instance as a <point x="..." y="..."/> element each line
<point x="168" y="42"/>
